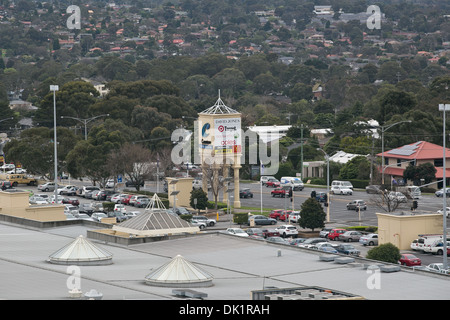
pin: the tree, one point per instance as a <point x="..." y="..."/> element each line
<point x="425" y="171"/>
<point x="312" y="215"/>
<point x="386" y="252"/>
<point x="201" y="197"/>
<point x="135" y="162"/>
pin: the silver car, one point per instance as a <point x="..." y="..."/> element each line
<point x="350" y="236"/>
<point x="369" y="239"/>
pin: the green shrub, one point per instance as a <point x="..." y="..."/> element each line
<point x="240" y="218"/>
<point x="108" y="206"/>
<point x="386" y="252"/>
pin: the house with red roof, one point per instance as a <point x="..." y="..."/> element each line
<point x="396" y="160"/>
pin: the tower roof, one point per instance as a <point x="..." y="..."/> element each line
<point x="219" y="108"/>
<point x="155" y="221"/>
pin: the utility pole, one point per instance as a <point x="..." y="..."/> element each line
<point x="301" y="152"/>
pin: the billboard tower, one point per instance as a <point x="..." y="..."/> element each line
<point x="219" y="146"/>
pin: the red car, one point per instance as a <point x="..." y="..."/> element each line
<point x="285" y="215"/>
<point x="126" y="200"/>
<point x="276" y="214"/>
<point x="274" y="183"/>
<point x="409" y="260"/>
<point x="71" y="201"/>
<point x="335" y="233"/>
<point x="270" y="233"/>
<point x="278" y="192"/>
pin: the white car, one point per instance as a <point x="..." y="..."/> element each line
<point x="205" y="220"/>
<point x="447" y="210"/>
<point x="397" y="196"/>
<point x="294" y="216"/>
<point x="370" y="239"/>
<point x="110" y="183"/>
<point x="437" y="267"/>
<point x="52" y="200"/>
<point x="341" y="190"/>
<point x="98" y="216"/>
<point x="67" y="190"/>
<point x="199" y="224"/>
<point x="120" y="207"/>
<point x="436" y="248"/>
<point x="38" y="200"/>
<point x="237" y="232"/>
<point x="287" y="230"/>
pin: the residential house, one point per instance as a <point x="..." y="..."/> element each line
<point x="396" y="161"/>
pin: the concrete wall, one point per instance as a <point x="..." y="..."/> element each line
<point x="16" y="203"/>
<point x="184" y="185"/>
<point x="401" y="230"/>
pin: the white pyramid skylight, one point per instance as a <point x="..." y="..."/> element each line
<point x="179" y="273"/>
<point x="219" y="108"/>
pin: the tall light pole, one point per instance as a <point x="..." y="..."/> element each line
<point x="55" y="88"/>
<point x="383" y="129"/>
<point x="443" y="108"/>
<point x="327" y="157"/>
<point x="85" y="121"/>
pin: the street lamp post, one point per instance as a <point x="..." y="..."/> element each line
<point x="85" y="121"/>
<point x="443" y="108"/>
<point x="55" y="88"/>
<point x="327" y="157"/>
<point x="383" y="129"/>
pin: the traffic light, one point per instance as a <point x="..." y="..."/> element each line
<point x="290" y="193"/>
<point x="415" y="204"/>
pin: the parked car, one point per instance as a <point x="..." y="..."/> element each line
<point x="277" y="240"/>
<point x="285" y="215"/>
<point x="324" y="232"/>
<point x="120" y="217"/>
<point x="98" y="216"/>
<point x="350" y="236"/>
<point x="287" y="230"/>
<point x="117" y="197"/>
<point x="48" y="186"/>
<point x="357" y="205"/>
<point x="415" y="244"/>
<point x="37" y="200"/>
<point x="276" y="214"/>
<point x="118" y="207"/>
<point x="132" y="214"/>
<point x="440" y="193"/>
<point x="142" y="202"/>
<point x="237" y="232"/>
<point x="103" y="194"/>
<point x="255" y="232"/>
<point x="72" y="201"/>
<point x="437" y="267"/>
<point x="370" y="239"/>
<point x="373" y="189"/>
<point x="199" y="224"/>
<point x="86" y="208"/>
<point x="82" y="191"/>
<point x="293" y="216"/>
<point x="437" y="248"/>
<point x="447" y="211"/>
<point x="310" y="242"/>
<point x="335" y="233"/>
<point x="272" y="182"/>
<point x="83" y="216"/>
<point x="110" y="183"/>
<point x="245" y="193"/>
<point x="347" y="249"/>
<point x="270" y="233"/>
<point x="130" y="183"/>
<point x="397" y="196"/>
<point x="6" y="185"/>
<point x="278" y="192"/>
<point x="68" y="190"/>
<point x="205" y="220"/>
<point x="296" y="241"/>
<point x="126" y="199"/>
<point x="409" y="260"/>
<point x="325" y="247"/>
<point x="182" y="211"/>
<point x="260" y="220"/>
<point x="341" y="190"/>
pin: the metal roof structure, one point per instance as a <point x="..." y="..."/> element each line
<point x="155" y="221"/>
<point x="81" y="252"/>
<point x="219" y="108"/>
<point x="179" y="273"/>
